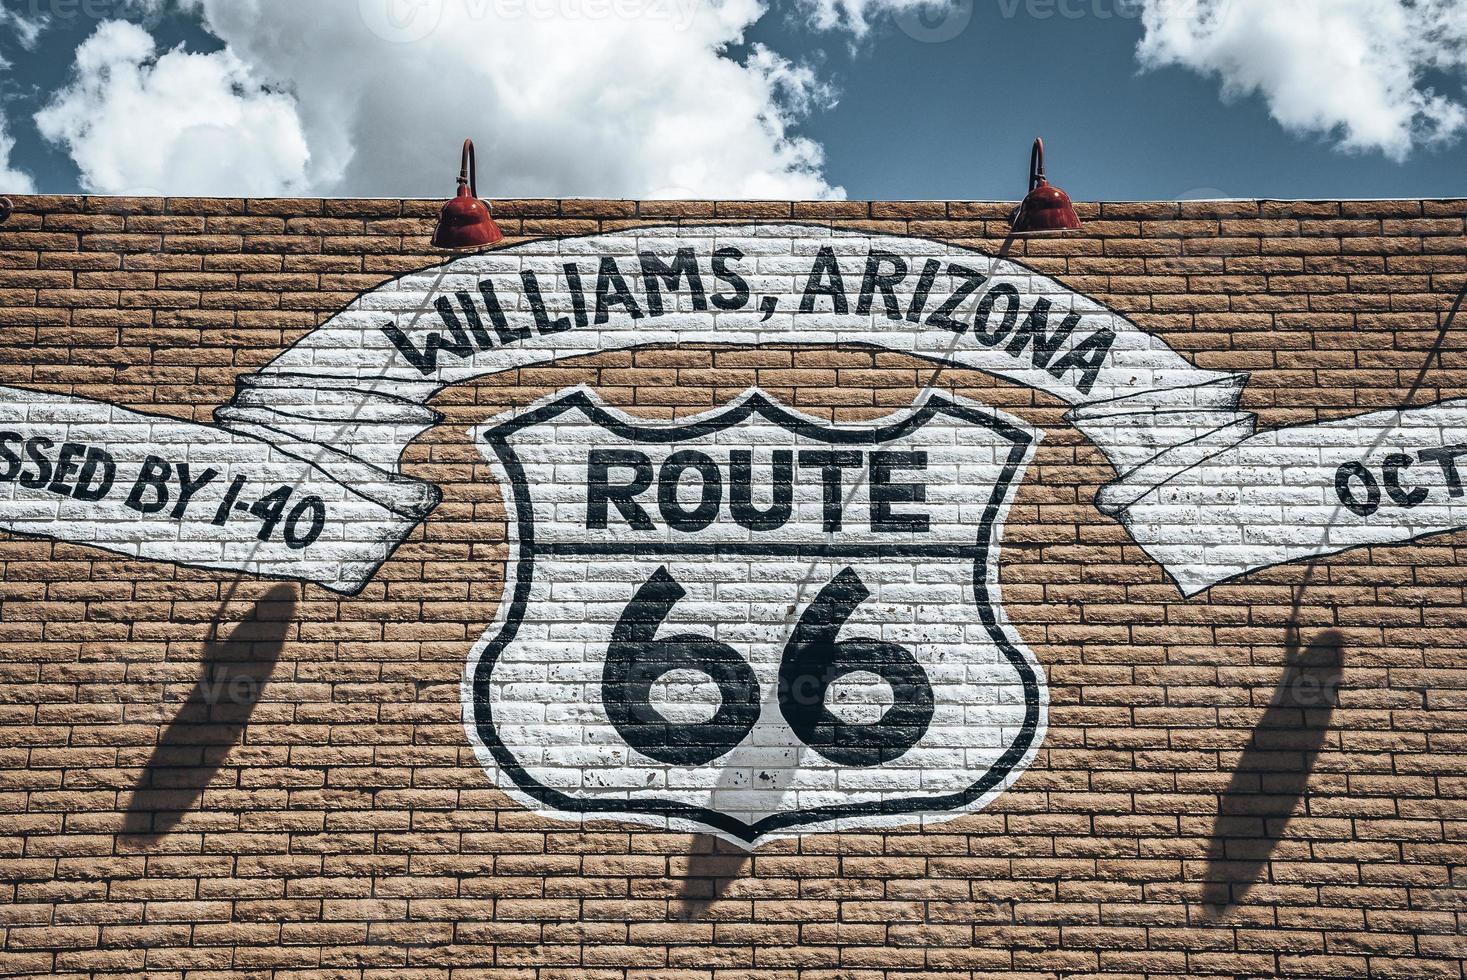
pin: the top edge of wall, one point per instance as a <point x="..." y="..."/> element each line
<point x="721" y="200"/>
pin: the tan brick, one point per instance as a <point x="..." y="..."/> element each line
<point x="347" y="827"/>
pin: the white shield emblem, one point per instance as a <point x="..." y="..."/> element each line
<point x="753" y="622"/>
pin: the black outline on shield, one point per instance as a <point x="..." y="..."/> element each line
<point x="757" y="401"/>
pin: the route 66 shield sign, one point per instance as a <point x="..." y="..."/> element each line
<point x="753" y="622"/>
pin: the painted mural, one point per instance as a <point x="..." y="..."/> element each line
<point x="751" y="622"/>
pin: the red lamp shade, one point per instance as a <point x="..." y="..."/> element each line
<point x="465" y="221"/>
<point x="1046" y="207"/>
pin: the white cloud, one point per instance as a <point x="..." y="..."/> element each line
<point x="183" y="123"/>
<point x="25" y="29"/>
<point x="629" y="98"/>
<point x="856" y="16"/>
<point x="797" y="87"/>
<point x="12" y="181"/>
<point x="1348" y="69"/>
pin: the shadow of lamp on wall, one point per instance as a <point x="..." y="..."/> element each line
<point x="193" y="747"/>
<point x="1272" y="775"/>
<point x="712" y="866"/>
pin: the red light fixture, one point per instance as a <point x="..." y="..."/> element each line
<point x="465" y="221"/>
<point x="1046" y="208"/>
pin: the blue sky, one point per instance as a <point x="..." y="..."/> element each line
<point x="1136" y="99"/>
<point x="955" y="120"/>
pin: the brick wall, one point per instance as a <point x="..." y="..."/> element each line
<point x="206" y="774"/>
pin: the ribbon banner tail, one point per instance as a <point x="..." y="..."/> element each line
<point x="1218" y="507"/>
<point x="147" y="486"/>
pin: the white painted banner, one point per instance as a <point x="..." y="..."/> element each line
<point x="1305" y="491"/>
<point x="1204" y="494"/>
<point x="152" y="487"/>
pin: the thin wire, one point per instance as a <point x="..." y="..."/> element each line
<point x="1433" y="354"/>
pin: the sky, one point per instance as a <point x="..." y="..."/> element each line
<point x="805" y="99"/>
